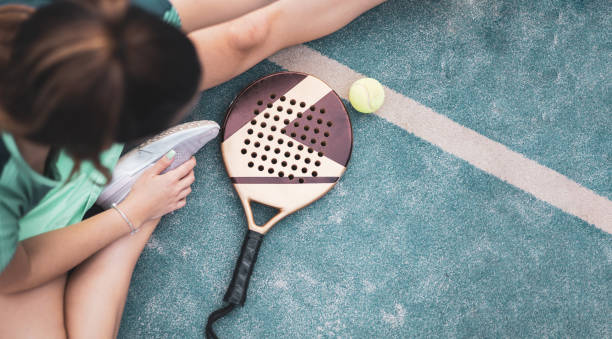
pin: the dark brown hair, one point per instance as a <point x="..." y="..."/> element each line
<point x="79" y="76"/>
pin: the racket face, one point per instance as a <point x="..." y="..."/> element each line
<point x="287" y="140"/>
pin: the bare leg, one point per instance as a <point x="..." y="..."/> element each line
<point x="232" y="47"/>
<point x="197" y="14"/>
<point x="35" y="313"/>
<point x="96" y="290"/>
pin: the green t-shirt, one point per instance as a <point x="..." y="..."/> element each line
<point x="32" y="204"/>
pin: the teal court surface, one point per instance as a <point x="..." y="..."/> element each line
<point x="477" y="202"/>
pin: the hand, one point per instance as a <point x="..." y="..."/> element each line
<point x="154" y="194"/>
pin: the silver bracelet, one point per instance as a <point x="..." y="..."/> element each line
<point x="132" y="228"/>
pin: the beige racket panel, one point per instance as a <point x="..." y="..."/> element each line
<point x="277" y="137"/>
<point x="287" y="198"/>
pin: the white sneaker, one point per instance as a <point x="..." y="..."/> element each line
<point x="185" y="139"/>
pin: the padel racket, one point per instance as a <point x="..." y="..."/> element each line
<point x="287" y="139"/>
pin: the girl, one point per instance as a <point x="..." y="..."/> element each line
<point x="79" y="79"/>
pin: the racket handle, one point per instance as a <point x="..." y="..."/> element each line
<point x="236" y="292"/>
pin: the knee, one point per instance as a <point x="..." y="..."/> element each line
<point x="251" y="30"/>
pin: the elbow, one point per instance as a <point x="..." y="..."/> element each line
<point x="6" y="290"/>
<point x="7" y="284"/>
<point x="10" y="285"/>
<point x="15" y="276"/>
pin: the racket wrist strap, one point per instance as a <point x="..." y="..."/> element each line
<point x="237" y="290"/>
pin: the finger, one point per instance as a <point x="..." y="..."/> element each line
<point x="180" y="204"/>
<point x="163" y="163"/>
<point x="187" y="180"/>
<point x="184" y="193"/>
<point x="183" y="169"/>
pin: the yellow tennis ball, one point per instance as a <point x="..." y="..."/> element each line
<point x="366" y="95"/>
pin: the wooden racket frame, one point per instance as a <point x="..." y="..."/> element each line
<point x="246" y="204"/>
<point x="283" y="211"/>
<point x="298" y="194"/>
<point x="267" y="193"/>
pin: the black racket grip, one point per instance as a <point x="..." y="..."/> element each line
<point x="237" y="290"/>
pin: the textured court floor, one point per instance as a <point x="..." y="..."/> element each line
<point x="498" y="229"/>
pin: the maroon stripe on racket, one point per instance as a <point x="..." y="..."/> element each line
<point x="242" y="110"/>
<point x="340" y="132"/>
<point x="283" y="180"/>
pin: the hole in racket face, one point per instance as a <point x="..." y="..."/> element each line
<point x="288" y="138"/>
<point x="263" y="158"/>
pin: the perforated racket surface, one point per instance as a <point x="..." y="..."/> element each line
<point x="287" y="140"/>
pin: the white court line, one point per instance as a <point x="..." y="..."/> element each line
<point x="464" y="143"/>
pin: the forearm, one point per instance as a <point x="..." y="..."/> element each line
<point x="231" y="48"/>
<point x="46" y="256"/>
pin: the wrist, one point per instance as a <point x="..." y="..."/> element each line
<point x="133" y="212"/>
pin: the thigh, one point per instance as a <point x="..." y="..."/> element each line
<point x="96" y="289"/>
<point x="35" y="313"/>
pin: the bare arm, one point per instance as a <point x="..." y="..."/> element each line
<point x="49" y="255"/>
<point x="44" y="257"/>
<point x="232" y="47"/>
